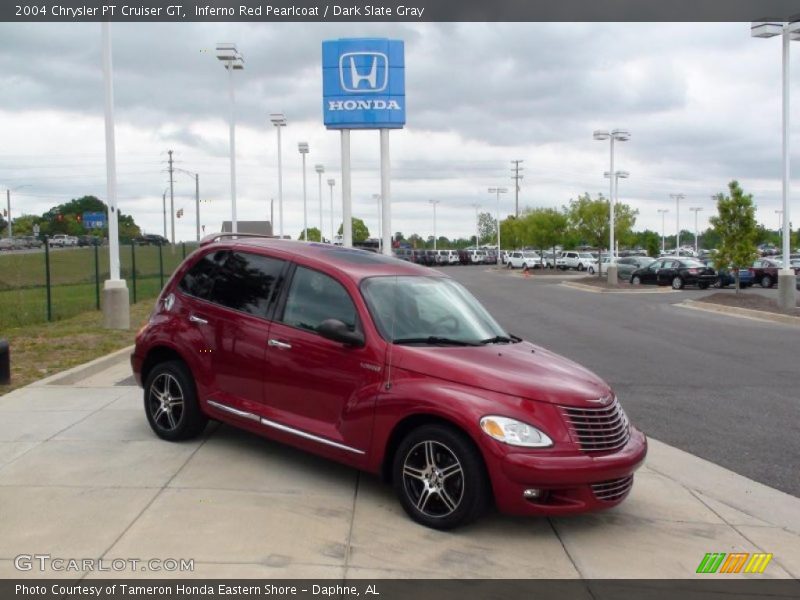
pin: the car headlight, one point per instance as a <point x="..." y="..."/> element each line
<point x="514" y="433"/>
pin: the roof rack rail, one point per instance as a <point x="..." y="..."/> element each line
<point x="215" y="237"/>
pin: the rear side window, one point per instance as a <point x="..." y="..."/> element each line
<point x="247" y="282"/>
<point x="314" y="297"/>
<point x="199" y="280"/>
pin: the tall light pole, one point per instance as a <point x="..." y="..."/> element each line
<point x="476" y="206"/>
<point x="116" y="303"/>
<point x="616" y="135"/>
<point x="617" y="176"/>
<point x="663" y="212"/>
<point x="302" y="148"/>
<point x="786" y="277"/>
<point x="233" y="61"/>
<point x="677" y="198"/>
<point x="320" y="169"/>
<point x="498" y="191"/>
<point x="695" y="210"/>
<point x="777" y="212"/>
<point x="8" y="205"/>
<point x="380" y="220"/>
<point x="434" y="202"/>
<point x="331" y="183"/>
<point x="164" y="210"/>
<point x="279" y="120"/>
<point x="196" y="177"/>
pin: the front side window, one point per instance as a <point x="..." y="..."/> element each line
<point x="315" y="297"/>
<point x="418" y="308"/>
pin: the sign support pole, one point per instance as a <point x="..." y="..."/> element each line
<point x="347" y="206"/>
<point x="386" y="210"/>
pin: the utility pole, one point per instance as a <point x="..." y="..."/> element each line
<point x="516" y="177"/>
<point x="8" y="202"/>
<point x="171" y="197"/>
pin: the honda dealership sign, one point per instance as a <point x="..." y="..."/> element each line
<point x="363" y="84"/>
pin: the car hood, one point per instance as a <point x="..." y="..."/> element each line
<point x="522" y="369"/>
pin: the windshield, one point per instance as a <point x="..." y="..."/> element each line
<point x="586" y="255"/>
<point x="415" y="308"/>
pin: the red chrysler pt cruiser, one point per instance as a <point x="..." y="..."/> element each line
<point x="385" y="366"/>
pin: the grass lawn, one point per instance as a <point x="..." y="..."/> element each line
<point x="41" y="350"/>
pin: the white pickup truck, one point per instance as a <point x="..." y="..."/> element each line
<point x="580" y="261"/>
<point x="63" y="240"/>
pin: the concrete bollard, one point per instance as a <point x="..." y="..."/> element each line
<point x="5" y="363"/>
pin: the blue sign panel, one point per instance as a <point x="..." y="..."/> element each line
<point x="363" y="84"/>
<point x="94" y="220"/>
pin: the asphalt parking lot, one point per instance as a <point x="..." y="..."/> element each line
<point x="719" y="387"/>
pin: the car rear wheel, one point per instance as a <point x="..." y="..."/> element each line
<point x="703" y="286"/>
<point x="580" y="266"/>
<point x="439" y="477"/>
<point x="636" y="280"/>
<point x="766" y="281"/>
<point x="718" y="284"/>
<point x="677" y="283"/>
<point x="170" y="402"/>
<point x="590" y="270"/>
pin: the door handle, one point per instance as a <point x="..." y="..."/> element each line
<point x="278" y="344"/>
<point x="196" y="319"/>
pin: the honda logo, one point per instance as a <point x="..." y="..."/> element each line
<point x="364" y="72"/>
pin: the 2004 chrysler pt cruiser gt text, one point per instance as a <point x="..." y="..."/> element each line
<point x="385" y="366"/>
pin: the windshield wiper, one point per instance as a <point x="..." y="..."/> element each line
<point x="502" y="339"/>
<point x="432" y="339"/>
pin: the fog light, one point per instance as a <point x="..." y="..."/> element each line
<point x="532" y="494"/>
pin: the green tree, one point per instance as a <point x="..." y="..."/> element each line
<point x="735" y="222"/>
<point x="487" y="232"/>
<point x="314" y="235"/>
<point x="545" y="228"/>
<point x="589" y="219"/>
<point x="512" y="232"/>
<point x="360" y="231"/>
<point x="415" y="240"/>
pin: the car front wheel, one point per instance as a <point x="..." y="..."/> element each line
<point x="766" y="281"/>
<point x="170" y="402"/>
<point x="677" y="283"/>
<point x="636" y="280"/>
<point x="590" y="270"/>
<point x="439" y="477"/>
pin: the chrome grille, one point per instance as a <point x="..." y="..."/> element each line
<point x="599" y="429"/>
<point x="614" y="489"/>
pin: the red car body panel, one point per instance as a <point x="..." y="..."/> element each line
<point x="354" y="399"/>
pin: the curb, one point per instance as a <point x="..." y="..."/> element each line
<point x="598" y="290"/>
<point x="742" y="313"/>
<point x="75" y="374"/>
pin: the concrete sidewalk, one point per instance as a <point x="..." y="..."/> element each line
<point x="82" y="476"/>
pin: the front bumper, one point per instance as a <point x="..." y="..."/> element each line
<point x="569" y="484"/>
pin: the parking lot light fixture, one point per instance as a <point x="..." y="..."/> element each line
<point x="331" y="183"/>
<point x="302" y="148"/>
<point x="320" y="169"/>
<point x="695" y="210"/>
<point x="663" y="212"/>
<point x="477" y="207"/>
<point x="790" y="32"/>
<point x="677" y="198"/>
<point x="8" y="205"/>
<point x="616" y="135"/>
<point x="279" y="120"/>
<point x="498" y="191"/>
<point x="233" y="61"/>
<point x="377" y="197"/>
<point x="434" y="203"/>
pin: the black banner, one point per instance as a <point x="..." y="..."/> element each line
<point x="714" y="588"/>
<point x="398" y="10"/>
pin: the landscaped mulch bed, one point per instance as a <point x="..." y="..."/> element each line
<point x="746" y="300"/>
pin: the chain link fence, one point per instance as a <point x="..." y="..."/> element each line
<point x="57" y="283"/>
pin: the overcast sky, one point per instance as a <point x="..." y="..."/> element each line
<point x="702" y="103"/>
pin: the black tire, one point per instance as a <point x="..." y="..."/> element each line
<point x="718" y="284"/>
<point x="766" y="281"/>
<point x="446" y="458"/>
<point x="580" y="267"/>
<point x="590" y="270"/>
<point x="176" y="416"/>
<point x="702" y="286"/>
<point x="636" y="280"/>
<point x="677" y="283"/>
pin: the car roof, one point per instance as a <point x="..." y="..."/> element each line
<point x="352" y="262"/>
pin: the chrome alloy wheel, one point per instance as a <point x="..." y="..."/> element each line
<point x="165" y="402"/>
<point x="433" y="479"/>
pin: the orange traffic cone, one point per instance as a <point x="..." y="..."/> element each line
<point x="526" y="273"/>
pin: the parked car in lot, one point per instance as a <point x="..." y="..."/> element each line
<point x="580" y="261"/>
<point x="387" y="367"/>
<point x="726" y="276"/>
<point x="677" y="272"/>
<point x="524" y="260"/>
<point x="7" y="244"/>
<point x="151" y="239"/>
<point x="62" y="240"/>
<point x="88" y="240"/>
<point x="765" y="271"/>
<point x="628" y="264"/>
<point x="447" y="257"/>
<point x="33" y="242"/>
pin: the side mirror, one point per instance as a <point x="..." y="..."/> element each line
<point x="334" y="329"/>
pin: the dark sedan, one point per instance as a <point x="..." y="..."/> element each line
<point x="677" y="272"/>
<point x="628" y="264"/>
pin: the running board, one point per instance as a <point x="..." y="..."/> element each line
<point x="280" y="427"/>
